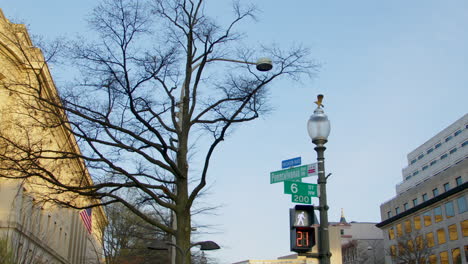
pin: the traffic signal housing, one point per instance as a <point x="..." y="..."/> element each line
<point x="302" y="232"/>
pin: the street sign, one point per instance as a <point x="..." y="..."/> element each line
<point x="303" y="199"/>
<point x="291" y="163"/>
<point x="300" y="188"/>
<point x="293" y="174"/>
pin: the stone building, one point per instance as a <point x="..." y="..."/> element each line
<point x="429" y="214"/>
<point x="35" y="229"/>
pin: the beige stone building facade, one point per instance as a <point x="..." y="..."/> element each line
<point x="430" y="207"/>
<point x="37" y="230"/>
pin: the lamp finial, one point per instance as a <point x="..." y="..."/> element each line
<point x="319" y="100"/>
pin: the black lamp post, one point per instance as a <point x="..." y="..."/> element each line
<point x="318" y="127"/>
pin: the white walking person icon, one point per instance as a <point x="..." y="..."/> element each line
<point x="300" y="219"/>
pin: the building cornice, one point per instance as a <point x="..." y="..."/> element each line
<point x="425" y="204"/>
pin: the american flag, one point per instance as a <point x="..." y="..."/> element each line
<point x="86" y="217"/>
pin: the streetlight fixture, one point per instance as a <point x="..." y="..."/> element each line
<point x="164" y="245"/>
<point x="318" y="127"/>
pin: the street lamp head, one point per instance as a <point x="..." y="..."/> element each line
<point x="318" y="125"/>
<point x="264" y="64"/>
<point x="207" y="245"/>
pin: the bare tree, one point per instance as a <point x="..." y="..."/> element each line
<point x="161" y="85"/>
<point x="410" y="248"/>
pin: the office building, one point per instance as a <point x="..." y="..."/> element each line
<point x="429" y="214"/>
<point x="32" y="228"/>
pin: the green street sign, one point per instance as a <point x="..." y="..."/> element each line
<point x="300" y="188"/>
<point x="304" y="199"/>
<point x="289" y="174"/>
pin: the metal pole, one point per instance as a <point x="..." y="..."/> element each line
<point x="323" y="235"/>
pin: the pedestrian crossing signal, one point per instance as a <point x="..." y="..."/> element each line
<point x="302" y="232"/>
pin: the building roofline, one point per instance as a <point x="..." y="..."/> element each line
<point x="425" y="204"/>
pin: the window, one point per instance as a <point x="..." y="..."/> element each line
<point x="438" y="214"/>
<point x="443" y="257"/>
<point x="446" y="186"/>
<point x="342" y="231"/>
<point x="433" y="162"/>
<point x="425" y="167"/>
<point x="456" y="258"/>
<point x="459" y="180"/>
<point x="389" y="214"/>
<point x="415" y="173"/>
<point x="435" y="192"/>
<point x="407" y="177"/>
<point x="465" y="143"/>
<point x="391" y="234"/>
<point x="417" y="222"/>
<point x="452" y="230"/>
<point x="399" y="231"/>
<point x="461" y="204"/>
<point x="441" y="236"/>
<point x="453" y="150"/>
<point x="406" y="206"/>
<point x="447" y="139"/>
<point x="415" y="202"/>
<point x="466" y="253"/>
<point x="438" y="145"/>
<point x="464" y="227"/>
<point x="424" y="197"/>
<point x="458" y="132"/>
<point x="427" y="218"/>
<point x="413" y="161"/>
<point x="397" y="210"/>
<point x="407" y="226"/>
<point x="444" y="156"/>
<point x="433" y="259"/>
<point x="430" y="239"/>
<point x="429" y="150"/>
<point x="449" y="212"/>
<point x="393" y="250"/>
<point x="420" y="156"/>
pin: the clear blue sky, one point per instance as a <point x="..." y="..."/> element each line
<point x="394" y="73"/>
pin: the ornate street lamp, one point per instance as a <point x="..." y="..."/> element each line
<point x="318" y="127"/>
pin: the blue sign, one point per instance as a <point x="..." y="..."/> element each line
<point x="291" y="162"/>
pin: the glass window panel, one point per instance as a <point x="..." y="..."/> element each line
<point x="456" y="258"/>
<point x="433" y="259"/>
<point x="393" y="250"/>
<point x="441" y="236"/>
<point x="435" y="192"/>
<point x="430" y="239"/>
<point x="415" y="202"/>
<point x="458" y="132"/>
<point x="417" y="222"/>
<point x="464" y="227"/>
<point x="466" y="253"/>
<point x="444" y="156"/>
<point x="449" y="212"/>
<point x="406" y="206"/>
<point x="437" y="214"/>
<point x="459" y="181"/>
<point x="438" y="145"/>
<point x="443" y="257"/>
<point x="408" y="226"/>
<point x="461" y="204"/>
<point x="427" y="218"/>
<point x="399" y="230"/>
<point x="419" y="242"/>
<point x="429" y="150"/>
<point x="453" y="150"/>
<point x="424" y="196"/>
<point x="389" y="214"/>
<point x="391" y="234"/>
<point x="397" y="210"/>
<point x="453" y="234"/>
<point x="446" y="186"/>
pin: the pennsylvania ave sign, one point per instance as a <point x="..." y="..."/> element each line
<point x="293" y="174"/>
